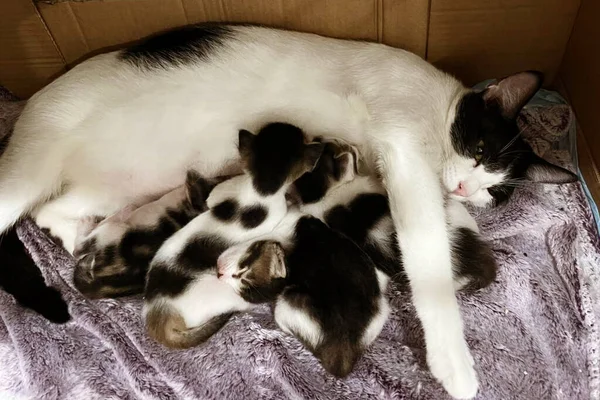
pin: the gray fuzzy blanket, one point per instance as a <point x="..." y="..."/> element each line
<point x="534" y="333"/>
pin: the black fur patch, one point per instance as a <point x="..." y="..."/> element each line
<point x="20" y="277"/>
<point x="178" y="46"/>
<point x="253" y="216"/>
<point x="164" y="281"/>
<point x="226" y="210"/>
<point x="472" y="258"/>
<point x="313" y="185"/>
<point x="201" y="253"/>
<point x="272" y="155"/>
<point x="357" y="219"/>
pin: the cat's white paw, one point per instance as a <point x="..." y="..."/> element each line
<point x="453" y="367"/>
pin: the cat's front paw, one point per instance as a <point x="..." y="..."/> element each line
<point x="453" y="367"/>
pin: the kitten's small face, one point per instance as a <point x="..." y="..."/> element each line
<point x="491" y="158"/>
<point x="255" y="270"/>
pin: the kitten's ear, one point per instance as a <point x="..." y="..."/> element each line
<point x="277" y="266"/>
<point x="245" y="140"/>
<point x="346" y="166"/>
<point x="197" y="190"/>
<point x="510" y="94"/>
<point x="312" y="153"/>
<point x="541" y="171"/>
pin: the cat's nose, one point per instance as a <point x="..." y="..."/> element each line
<point x="461" y="190"/>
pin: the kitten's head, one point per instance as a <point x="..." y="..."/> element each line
<point x="277" y="156"/>
<point x="491" y="156"/>
<point x="256" y="270"/>
<point x="336" y="166"/>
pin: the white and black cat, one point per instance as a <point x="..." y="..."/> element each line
<point x="125" y="126"/>
<point x="113" y="255"/>
<point x="185" y="303"/>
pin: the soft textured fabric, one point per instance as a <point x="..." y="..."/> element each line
<point x="533" y="333"/>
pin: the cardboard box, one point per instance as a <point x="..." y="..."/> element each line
<point x="473" y="39"/>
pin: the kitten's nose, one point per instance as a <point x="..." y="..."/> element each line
<point x="461" y="190"/>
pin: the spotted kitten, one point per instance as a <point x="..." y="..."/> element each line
<point x="113" y="256"/>
<point x="185" y="302"/>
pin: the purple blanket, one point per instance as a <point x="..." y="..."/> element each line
<point x="533" y="333"/>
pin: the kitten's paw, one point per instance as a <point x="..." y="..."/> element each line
<point x="453" y="367"/>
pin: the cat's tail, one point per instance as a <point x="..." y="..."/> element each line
<point x="166" y="325"/>
<point x="338" y="355"/>
<point x="30" y="173"/>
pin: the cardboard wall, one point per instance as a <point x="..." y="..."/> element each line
<point x="580" y="77"/>
<point x="29" y="58"/>
<point x="472" y="39"/>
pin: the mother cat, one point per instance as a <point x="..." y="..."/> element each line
<point x="125" y="127"/>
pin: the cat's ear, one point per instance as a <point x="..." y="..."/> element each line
<point x="510" y="94"/>
<point x="245" y="140"/>
<point x="541" y="171"/>
<point x="277" y="266"/>
<point x="346" y="166"/>
<point x="197" y="189"/>
<point x="312" y="153"/>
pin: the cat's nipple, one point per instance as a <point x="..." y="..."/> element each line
<point x="461" y="190"/>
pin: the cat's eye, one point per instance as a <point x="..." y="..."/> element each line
<point x="479" y="151"/>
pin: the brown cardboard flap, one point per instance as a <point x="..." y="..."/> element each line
<point x="482" y="39"/>
<point x="404" y="24"/>
<point x="28" y="56"/>
<point x="580" y="73"/>
<point x="83" y="27"/>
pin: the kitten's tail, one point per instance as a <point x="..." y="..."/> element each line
<point x="338" y="355"/>
<point x="30" y="173"/>
<point x="473" y="262"/>
<point x="166" y="325"/>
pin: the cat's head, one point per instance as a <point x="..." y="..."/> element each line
<point x="256" y="270"/>
<point x="491" y="157"/>
<point x="277" y="156"/>
<point x="336" y="166"/>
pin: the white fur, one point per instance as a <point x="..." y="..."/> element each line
<point x="217" y="297"/>
<point x="297" y="322"/>
<point x="117" y="135"/>
<point x="376" y="324"/>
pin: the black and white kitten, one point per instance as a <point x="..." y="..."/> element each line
<point x="327" y="292"/>
<point x="113" y="256"/>
<point x="185" y="303"/>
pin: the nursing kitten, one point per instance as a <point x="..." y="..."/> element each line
<point x="327" y="291"/>
<point x="185" y="303"/>
<point x="358" y="207"/>
<point x="113" y="256"/>
<point x="94" y="140"/>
